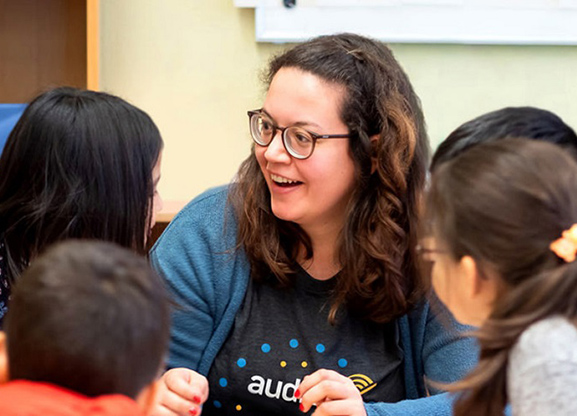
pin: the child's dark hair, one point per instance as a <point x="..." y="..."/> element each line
<point x="528" y="122"/>
<point x="78" y="164"/>
<point x="89" y="316"/>
<point x="503" y="203"/>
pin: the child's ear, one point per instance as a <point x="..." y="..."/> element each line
<point x="147" y="397"/>
<point x="481" y="289"/>
<point x="3" y="358"/>
<point x="470" y="272"/>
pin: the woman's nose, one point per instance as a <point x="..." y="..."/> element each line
<point x="276" y="152"/>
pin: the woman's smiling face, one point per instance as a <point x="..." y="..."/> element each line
<point x="314" y="191"/>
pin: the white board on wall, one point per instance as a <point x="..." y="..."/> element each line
<point x="548" y="22"/>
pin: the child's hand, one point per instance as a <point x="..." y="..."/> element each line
<point x="181" y="393"/>
<point x="332" y="393"/>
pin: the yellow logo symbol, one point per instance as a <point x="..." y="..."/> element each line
<point x="363" y="383"/>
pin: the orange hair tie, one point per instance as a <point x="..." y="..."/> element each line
<point x="566" y="246"/>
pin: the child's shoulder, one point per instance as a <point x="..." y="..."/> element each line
<point x="27" y="397"/>
<point x="551" y="338"/>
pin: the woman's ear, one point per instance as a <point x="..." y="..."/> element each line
<point x="3" y="359"/>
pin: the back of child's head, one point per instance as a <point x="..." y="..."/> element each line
<point x="503" y="204"/>
<point x="88" y="316"/>
<point x="527" y="122"/>
<point x="78" y="164"/>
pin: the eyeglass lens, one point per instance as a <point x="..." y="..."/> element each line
<point x="297" y="141"/>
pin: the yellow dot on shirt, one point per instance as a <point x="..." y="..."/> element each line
<point x="283" y="364"/>
<point x="304" y="364"/>
<point x="238" y="407"/>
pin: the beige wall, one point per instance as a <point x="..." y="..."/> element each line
<point x="193" y="66"/>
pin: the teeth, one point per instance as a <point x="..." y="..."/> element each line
<point x="280" y="179"/>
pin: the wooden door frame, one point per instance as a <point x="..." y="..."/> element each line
<point x="92" y="44"/>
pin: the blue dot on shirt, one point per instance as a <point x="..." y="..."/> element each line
<point x="265" y="348"/>
<point x="293" y="343"/>
<point x="217" y="404"/>
<point x="343" y="363"/>
<point x="241" y="362"/>
<point x="320" y="348"/>
<point x="223" y="382"/>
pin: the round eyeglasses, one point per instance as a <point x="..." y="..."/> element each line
<point x="298" y="142"/>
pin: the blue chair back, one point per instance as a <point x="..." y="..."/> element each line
<point x="9" y="116"/>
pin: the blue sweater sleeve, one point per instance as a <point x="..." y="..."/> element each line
<point x="449" y="351"/>
<point x="205" y="275"/>
<point x="438" y="350"/>
<point x="438" y="405"/>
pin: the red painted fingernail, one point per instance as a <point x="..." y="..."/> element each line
<point x="193" y="411"/>
<point x="301" y="407"/>
<point x="297" y="393"/>
<point x="196" y="399"/>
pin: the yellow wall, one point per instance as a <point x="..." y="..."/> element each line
<point x="194" y="65"/>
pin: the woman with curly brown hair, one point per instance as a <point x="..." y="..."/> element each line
<point x="299" y="283"/>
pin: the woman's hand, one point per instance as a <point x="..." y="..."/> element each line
<point x="181" y="393"/>
<point x="332" y="393"/>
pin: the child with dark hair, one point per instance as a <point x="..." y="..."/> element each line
<point x="504" y="227"/>
<point x="528" y="122"/>
<point x="86" y="334"/>
<point x="78" y="164"/>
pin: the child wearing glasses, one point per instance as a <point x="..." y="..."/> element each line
<point x="298" y="283"/>
<point x="504" y="225"/>
<point x="78" y="164"/>
<point x="85" y="335"/>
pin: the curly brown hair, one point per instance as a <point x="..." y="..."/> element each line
<point x="379" y="279"/>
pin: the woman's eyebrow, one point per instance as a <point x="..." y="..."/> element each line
<point x="298" y="123"/>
